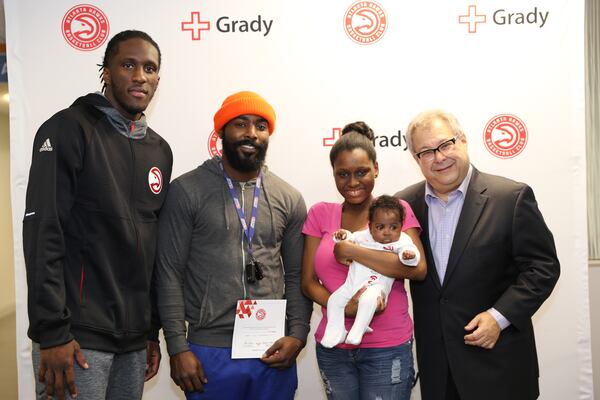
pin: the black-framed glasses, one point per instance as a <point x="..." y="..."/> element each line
<point x="446" y="148"/>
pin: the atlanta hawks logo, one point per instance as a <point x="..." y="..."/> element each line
<point x="155" y="181"/>
<point x="214" y="145"/>
<point x="365" y="22"/>
<point x="85" y="27"/>
<point x="505" y="136"/>
<point x="261" y="314"/>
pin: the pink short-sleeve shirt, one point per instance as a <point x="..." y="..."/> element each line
<point x="391" y="327"/>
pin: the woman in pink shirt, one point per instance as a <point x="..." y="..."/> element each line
<point x="381" y="366"/>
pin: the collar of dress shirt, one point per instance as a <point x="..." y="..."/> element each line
<point x="462" y="188"/>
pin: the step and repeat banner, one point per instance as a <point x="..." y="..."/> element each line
<point x="511" y="71"/>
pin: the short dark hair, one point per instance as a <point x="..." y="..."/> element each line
<point x="113" y="47"/>
<point x="356" y="135"/>
<point x="386" y="202"/>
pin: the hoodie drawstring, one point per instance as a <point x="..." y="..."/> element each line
<point x="225" y="196"/>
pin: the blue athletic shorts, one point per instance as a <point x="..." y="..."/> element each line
<point x="241" y="379"/>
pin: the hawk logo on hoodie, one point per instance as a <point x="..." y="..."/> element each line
<point x="155" y="180"/>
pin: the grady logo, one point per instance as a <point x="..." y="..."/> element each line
<point x="504" y="17"/>
<point x="155" y="180"/>
<point x="505" y="135"/>
<point x="226" y="24"/>
<point x="85" y="27"/>
<point x="535" y="17"/>
<point x="397" y="140"/>
<point x="365" y="22"/>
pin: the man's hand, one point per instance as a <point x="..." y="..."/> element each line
<point x="56" y="367"/>
<point x="486" y="331"/>
<point x="283" y="352"/>
<point x="352" y="306"/>
<point x="342" y="250"/>
<point x="152" y="359"/>
<point x="187" y="372"/>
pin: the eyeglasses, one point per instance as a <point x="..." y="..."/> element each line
<point x="446" y="148"/>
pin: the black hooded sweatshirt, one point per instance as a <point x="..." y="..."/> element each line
<point x="96" y="186"/>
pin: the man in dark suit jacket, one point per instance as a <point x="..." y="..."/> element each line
<point x="492" y="263"/>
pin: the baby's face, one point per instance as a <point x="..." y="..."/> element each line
<point x="385" y="227"/>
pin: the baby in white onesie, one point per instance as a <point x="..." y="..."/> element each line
<point x="384" y="233"/>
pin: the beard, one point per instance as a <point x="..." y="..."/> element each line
<point x="241" y="161"/>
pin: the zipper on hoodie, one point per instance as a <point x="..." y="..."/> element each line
<point x="131" y="209"/>
<point x="243" y="186"/>
<point x="81" y="280"/>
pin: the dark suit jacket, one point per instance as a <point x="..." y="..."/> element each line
<point x="502" y="256"/>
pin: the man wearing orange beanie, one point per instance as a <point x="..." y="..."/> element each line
<point x="210" y="255"/>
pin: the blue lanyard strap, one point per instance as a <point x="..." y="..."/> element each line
<point x="248" y="230"/>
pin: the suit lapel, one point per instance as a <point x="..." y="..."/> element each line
<point x="473" y="206"/>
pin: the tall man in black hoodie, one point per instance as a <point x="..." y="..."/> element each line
<point x="97" y="182"/>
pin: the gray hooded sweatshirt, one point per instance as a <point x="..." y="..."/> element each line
<point x="202" y="254"/>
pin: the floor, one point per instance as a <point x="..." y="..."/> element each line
<point x="8" y="358"/>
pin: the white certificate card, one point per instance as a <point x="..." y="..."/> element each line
<point x="258" y="324"/>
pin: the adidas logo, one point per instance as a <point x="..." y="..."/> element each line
<point x="47" y="146"/>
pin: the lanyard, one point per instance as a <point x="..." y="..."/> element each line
<point x="248" y="230"/>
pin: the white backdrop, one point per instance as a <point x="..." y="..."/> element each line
<point x="515" y="58"/>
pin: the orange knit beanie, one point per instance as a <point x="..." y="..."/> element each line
<point x="243" y="103"/>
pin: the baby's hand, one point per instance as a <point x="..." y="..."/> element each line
<point x="408" y="255"/>
<point x="340" y="234"/>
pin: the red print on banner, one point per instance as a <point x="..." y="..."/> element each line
<point x="214" y="145"/>
<point x="244" y="309"/>
<point x="472" y="18"/>
<point x="196" y="26"/>
<point x="328" y="141"/>
<point x="505" y="135"/>
<point x="155" y="180"/>
<point x="365" y="22"/>
<point x="85" y="27"/>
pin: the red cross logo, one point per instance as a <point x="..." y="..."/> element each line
<point x="472" y="18"/>
<point x="330" y="140"/>
<point x="195" y="25"/>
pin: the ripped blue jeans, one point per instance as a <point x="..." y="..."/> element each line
<point x="367" y="374"/>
